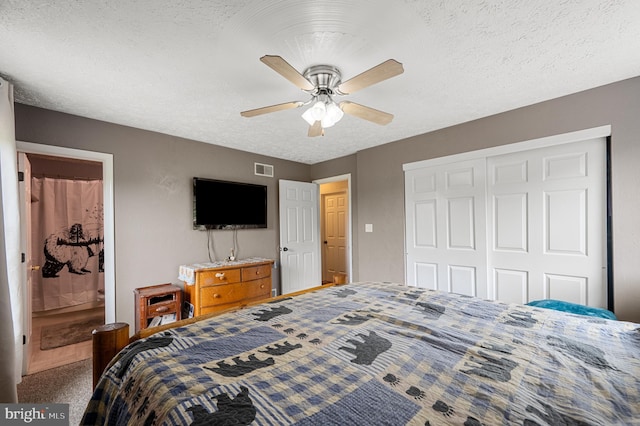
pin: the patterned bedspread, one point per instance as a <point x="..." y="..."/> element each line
<point x="378" y="354"/>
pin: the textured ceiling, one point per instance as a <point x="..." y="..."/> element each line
<point x="187" y="68"/>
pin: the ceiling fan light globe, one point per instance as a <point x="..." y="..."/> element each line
<point x="327" y="122"/>
<point x="308" y="117"/>
<point x="318" y="110"/>
<point x="334" y="112"/>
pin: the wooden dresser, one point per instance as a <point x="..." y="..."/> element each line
<point x="216" y="286"/>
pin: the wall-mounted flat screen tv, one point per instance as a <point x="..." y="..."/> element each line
<point x="219" y="204"/>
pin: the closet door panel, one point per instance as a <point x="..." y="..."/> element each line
<point x="550" y="225"/>
<point x="445" y="232"/>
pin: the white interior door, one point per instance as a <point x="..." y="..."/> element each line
<point x="299" y="236"/>
<point x="445" y="221"/>
<point x="24" y="188"/>
<point x="334" y="256"/>
<point x="547" y="213"/>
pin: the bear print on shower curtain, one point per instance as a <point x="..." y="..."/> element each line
<point x="67" y="242"/>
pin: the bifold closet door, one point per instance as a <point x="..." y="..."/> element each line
<point x="547" y="224"/>
<point x="446" y="228"/>
<point x="514" y="227"/>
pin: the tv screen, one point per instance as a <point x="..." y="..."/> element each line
<point x="221" y="204"/>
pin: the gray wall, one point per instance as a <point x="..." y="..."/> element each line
<point x="152" y="187"/>
<point x="153" y="174"/>
<point x="380" y="199"/>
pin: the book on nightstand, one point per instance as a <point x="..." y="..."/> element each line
<point x="167" y="319"/>
<point x="155" y="321"/>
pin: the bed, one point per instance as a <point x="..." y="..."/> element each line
<point x="378" y="354"/>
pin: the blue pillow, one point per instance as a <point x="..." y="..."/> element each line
<point x="573" y="308"/>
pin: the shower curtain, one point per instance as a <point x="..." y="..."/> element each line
<point x="67" y="240"/>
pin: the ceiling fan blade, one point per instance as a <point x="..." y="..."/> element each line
<point x="271" y="108"/>
<point x="316" y="130"/>
<point x="366" y="113"/>
<point x="381" y="72"/>
<point x="283" y="68"/>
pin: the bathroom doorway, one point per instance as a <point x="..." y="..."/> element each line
<point x="105" y="307"/>
<point x="66" y="270"/>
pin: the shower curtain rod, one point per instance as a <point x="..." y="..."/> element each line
<point x="44" y="175"/>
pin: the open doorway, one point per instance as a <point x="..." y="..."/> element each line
<point x="66" y="256"/>
<point x="89" y="253"/>
<point x="335" y="229"/>
<point x="303" y="254"/>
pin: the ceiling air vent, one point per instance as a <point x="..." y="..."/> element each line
<point x="263" y="169"/>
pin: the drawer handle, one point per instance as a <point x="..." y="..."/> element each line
<point x="262" y="286"/>
<point x="220" y="275"/>
<point x="162" y="309"/>
<point x="216" y="296"/>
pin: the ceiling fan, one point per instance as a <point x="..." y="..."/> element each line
<point x="322" y="83"/>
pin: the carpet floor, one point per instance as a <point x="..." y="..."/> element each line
<point x="70" y="384"/>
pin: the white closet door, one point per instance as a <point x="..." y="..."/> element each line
<point x="515" y="227"/>
<point x="446" y="228"/>
<point x="547" y="224"/>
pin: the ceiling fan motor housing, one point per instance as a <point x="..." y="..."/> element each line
<point x="325" y="79"/>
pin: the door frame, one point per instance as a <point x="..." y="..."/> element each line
<point x="349" y="250"/>
<point x="109" y="217"/>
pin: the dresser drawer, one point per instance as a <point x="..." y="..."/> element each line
<point x="256" y="272"/>
<point x="253" y="291"/>
<point x="230" y="293"/>
<point x="258" y="289"/>
<point x="162" y="308"/>
<point x="226" y="276"/>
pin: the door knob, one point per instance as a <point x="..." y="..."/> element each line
<point x="285" y="249"/>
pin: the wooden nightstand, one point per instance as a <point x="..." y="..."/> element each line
<point x="156" y="301"/>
